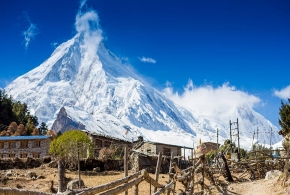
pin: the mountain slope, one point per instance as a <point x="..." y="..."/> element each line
<point x="99" y="85"/>
<point x="95" y="91"/>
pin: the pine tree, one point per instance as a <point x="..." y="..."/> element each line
<point x="43" y="128"/>
<point x="284" y="120"/>
<point x="29" y="126"/>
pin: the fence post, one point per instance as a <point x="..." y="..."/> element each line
<point x="159" y="161"/>
<point x="136" y="189"/>
<point x="126" y="164"/>
<point x="170" y="169"/>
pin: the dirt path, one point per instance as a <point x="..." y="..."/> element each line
<point x="258" y="187"/>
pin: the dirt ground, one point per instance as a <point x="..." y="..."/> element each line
<point x="21" y="181"/>
<point x="256" y="187"/>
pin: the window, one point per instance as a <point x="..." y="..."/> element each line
<point x="23" y="155"/>
<point x="24" y="144"/>
<point x="149" y="151"/>
<point x="107" y="144"/>
<point x="166" y="151"/>
<point x="1" y="144"/>
<point x="12" y="155"/>
<point x="36" y="154"/>
<point x="98" y="143"/>
<point x="36" y="144"/>
<point x="12" y="144"/>
<point x="3" y="155"/>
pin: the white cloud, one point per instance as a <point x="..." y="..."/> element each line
<point x="87" y="25"/>
<point x="54" y="45"/>
<point x="149" y="60"/>
<point x="31" y="32"/>
<point x="283" y="93"/>
<point x="206" y="98"/>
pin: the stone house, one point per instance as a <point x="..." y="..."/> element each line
<point x="100" y="141"/>
<point x="153" y="148"/>
<point x="24" y="146"/>
<point x="206" y="147"/>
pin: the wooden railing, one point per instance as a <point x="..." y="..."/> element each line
<point x="186" y="177"/>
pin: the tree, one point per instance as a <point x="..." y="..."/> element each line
<point x="12" y="128"/>
<point x="284" y="120"/>
<point x="51" y="133"/>
<point x="21" y="129"/>
<point x="14" y="111"/>
<point x="66" y="148"/>
<point x="29" y="126"/>
<point x="43" y="128"/>
<point x="35" y="131"/>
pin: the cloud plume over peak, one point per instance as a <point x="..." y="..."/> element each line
<point x="283" y="93"/>
<point x="209" y="98"/>
<point x="87" y="25"/>
<point x="31" y="32"/>
<point x="148" y="60"/>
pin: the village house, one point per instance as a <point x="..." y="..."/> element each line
<point x="100" y="141"/>
<point x="153" y="148"/>
<point x="24" y="146"/>
<point x="206" y="147"/>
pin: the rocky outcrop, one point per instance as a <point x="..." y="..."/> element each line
<point x="63" y="122"/>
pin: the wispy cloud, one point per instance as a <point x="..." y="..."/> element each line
<point x="54" y="45"/>
<point x="148" y="60"/>
<point x="87" y="25"/>
<point x="31" y="32"/>
<point x="283" y="93"/>
<point x="208" y="98"/>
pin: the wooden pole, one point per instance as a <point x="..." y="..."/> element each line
<point x="126" y="164"/>
<point x="217" y="140"/>
<point x="170" y="170"/>
<point x="136" y="189"/>
<point x="239" y="154"/>
<point x="79" y="166"/>
<point x="231" y="136"/>
<point x="159" y="161"/>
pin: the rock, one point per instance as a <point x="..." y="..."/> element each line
<point x="40" y="177"/>
<point x="31" y="174"/>
<point x="52" y="164"/>
<point x="272" y="174"/>
<point x="74" y="184"/>
<point x="9" y="173"/>
<point x="97" y="169"/>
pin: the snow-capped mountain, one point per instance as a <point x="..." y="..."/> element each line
<point x="96" y="92"/>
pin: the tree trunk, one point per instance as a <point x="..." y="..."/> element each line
<point x="61" y="176"/>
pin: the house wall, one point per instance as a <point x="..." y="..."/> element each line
<point x="148" y="148"/>
<point x="100" y="142"/>
<point x="165" y="149"/>
<point x="206" y="147"/>
<point x="6" y="152"/>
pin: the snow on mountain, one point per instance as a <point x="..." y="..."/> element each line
<point x="101" y="93"/>
<point x="84" y="85"/>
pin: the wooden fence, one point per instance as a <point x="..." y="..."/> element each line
<point x="186" y="177"/>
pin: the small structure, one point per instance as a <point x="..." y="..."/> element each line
<point x="153" y="148"/>
<point x="24" y="146"/>
<point x="206" y="147"/>
<point x="100" y="141"/>
<point x="144" y="155"/>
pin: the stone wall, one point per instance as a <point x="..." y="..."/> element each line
<point x="42" y="149"/>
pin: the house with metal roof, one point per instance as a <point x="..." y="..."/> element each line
<point x="24" y="146"/>
<point x="153" y="148"/>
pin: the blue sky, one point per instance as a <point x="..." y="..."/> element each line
<point x="245" y="44"/>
